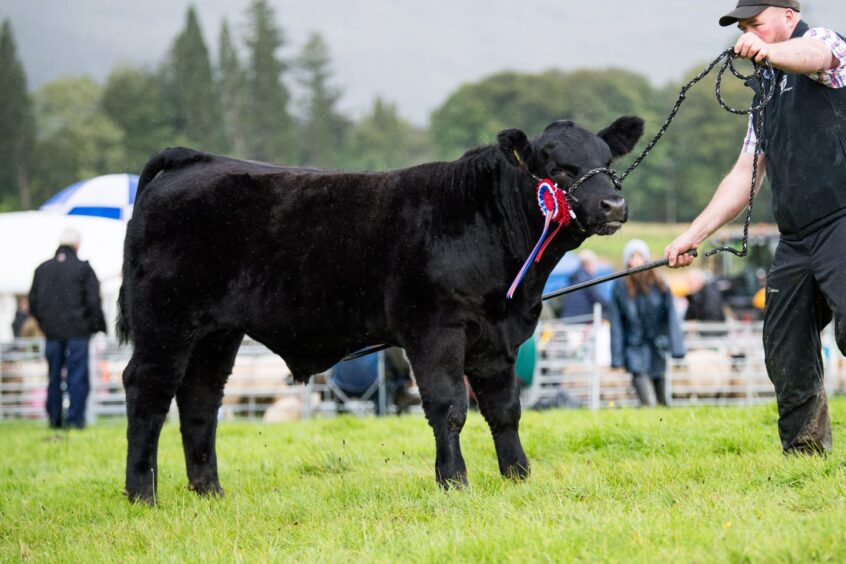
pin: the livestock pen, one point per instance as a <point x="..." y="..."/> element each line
<point x="724" y="366"/>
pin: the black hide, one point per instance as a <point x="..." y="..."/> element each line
<point x="316" y="264"/>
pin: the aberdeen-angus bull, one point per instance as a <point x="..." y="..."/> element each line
<point x="317" y="264"/>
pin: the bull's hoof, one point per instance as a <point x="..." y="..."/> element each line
<point x="144" y="498"/>
<point x="210" y="489"/>
<point x="516" y="472"/>
<point x="456" y="481"/>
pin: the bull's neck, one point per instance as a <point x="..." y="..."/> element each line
<point x="510" y="196"/>
<point x="527" y="221"/>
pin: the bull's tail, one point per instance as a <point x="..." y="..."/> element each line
<point x="167" y="159"/>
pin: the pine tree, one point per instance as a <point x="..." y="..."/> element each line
<point x="323" y="129"/>
<point x="76" y="138"/>
<point x="269" y="127"/>
<point x="133" y="99"/>
<point x="231" y="85"/>
<point x="382" y="140"/>
<point x="191" y="91"/>
<point x="17" y="125"/>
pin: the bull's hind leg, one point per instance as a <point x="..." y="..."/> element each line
<point x="438" y="365"/>
<point x="150" y="379"/>
<point x="499" y="402"/>
<point x="199" y="398"/>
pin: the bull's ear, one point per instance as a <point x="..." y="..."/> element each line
<point x="515" y="146"/>
<point x="622" y="135"/>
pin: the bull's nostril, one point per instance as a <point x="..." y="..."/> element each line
<point x="614" y="209"/>
<point x="614" y="204"/>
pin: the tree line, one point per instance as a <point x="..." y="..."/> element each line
<point x="248" y="102"/>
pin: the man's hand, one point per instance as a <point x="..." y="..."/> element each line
<point x="750" y="46"/>
<point x="676" y="250"/>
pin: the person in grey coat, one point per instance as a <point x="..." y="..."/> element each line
<point x="644" y="327"/>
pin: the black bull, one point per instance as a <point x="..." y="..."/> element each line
<point x="316" y="264"/>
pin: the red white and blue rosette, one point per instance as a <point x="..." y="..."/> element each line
<point x="547" y="202"/>
<point x="554" y="206"/>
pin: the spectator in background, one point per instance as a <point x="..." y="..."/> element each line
<point x="399" y="380"/>
<point x="579" y="305"/>
<point x="65" y="299"/>
<point x="644" y="326"/>
<point x="357" y="376"/>
<point x="704" y="300"/>
<point x="24" y="324"/>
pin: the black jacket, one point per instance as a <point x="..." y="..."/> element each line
<point x="65" y="297"/>
<point x="705" y="305"/>
<point x="805" y="133"/>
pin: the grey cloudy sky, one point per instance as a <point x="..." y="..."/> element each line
<point x="413" y="53"/>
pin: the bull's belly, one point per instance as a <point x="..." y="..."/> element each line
<point x="311" y="350"/>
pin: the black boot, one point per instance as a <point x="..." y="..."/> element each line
<point x="643" y="387"/>
<point x="660" y="390"/>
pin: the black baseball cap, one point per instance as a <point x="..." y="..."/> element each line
<point x="751" y="8"/>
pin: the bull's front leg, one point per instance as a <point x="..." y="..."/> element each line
<point x="438" y="364"/>
<point x="499" y="401"/>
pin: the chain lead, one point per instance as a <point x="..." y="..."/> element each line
<point x="760" y="73"/>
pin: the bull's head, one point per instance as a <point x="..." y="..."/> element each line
<point x="565" y="151"/>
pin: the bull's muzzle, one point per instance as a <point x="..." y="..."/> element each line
<point x="614" y="212"/>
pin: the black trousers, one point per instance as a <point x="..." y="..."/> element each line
<point x="806" y="287"/>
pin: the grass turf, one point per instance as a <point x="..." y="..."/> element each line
<point x="686" y="484"/>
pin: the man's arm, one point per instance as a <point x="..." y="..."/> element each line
<point x="800" y="56"/>
<point x="93" y="306"/>
<point x="731" y="197"/>
<point x="34" y="304"/>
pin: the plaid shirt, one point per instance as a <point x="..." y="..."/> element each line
<point x="832" y="78"/>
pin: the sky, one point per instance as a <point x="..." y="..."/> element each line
<point x="412" y="53"/>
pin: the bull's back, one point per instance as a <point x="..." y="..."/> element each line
<point x="253" y="245"/>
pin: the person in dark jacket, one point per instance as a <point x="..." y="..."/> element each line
<point x="802" y="149"/>
<point x="704" y="300"/>
<point x="644" y="327"/>
<point x="21" y="315"/>
<point x="65" y="300"/>
<point x="578" y="305"/>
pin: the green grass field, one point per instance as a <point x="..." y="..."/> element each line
<point x="656" y="235"/>
<point x="685" y="484"/>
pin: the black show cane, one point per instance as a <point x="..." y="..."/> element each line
<point x="581" y="286"/>
<point x="613" y="276"/>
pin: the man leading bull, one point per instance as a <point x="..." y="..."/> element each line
<point x="804" y="156"/>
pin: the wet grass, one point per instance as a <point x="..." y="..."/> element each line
<point x="697" y="484"/>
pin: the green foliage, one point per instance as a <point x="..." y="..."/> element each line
<point x="76" y="138"/>
<point x="231" y="83"/>
<point x="243" y="109"/>
<point x="323" y="129"/>
<point x="475" y="113"/>
<point x="704" y="143"/>
<point x="133" y="99"/>
<point x="190" y="91"/>
<point x="269" y="127"/>
<point x="17" y="125"/>
<point x="674" y="182"/>
<point x="382" y="140"/>
<point x="634" y="485"/>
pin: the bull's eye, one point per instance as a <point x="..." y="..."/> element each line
<point x="567" y="171"/>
